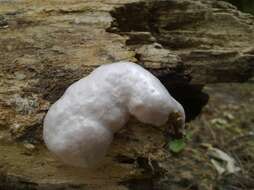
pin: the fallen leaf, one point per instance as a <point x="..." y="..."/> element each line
<point x="177" y="145"/>
<point x="222" y="162"/>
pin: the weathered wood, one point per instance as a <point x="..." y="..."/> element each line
<point x="47" y="45"/>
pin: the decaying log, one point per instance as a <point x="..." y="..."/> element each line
<point x="47" y="45"/>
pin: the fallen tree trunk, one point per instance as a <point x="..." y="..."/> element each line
<point x="47" y="45"/>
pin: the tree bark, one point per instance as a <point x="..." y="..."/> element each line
<point x="47" y="45"/>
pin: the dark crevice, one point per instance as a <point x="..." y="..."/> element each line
<point x="139" y="184"/>
<point x="191" y="97"/>
<point x="143" y="23"/>
<point x="124" y="159"/>
<point x="152" y="173"/>
<point x="243" y="5"/>
<point x="149" y="17"/>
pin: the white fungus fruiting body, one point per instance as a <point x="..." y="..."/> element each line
<point x="79" y="127"/>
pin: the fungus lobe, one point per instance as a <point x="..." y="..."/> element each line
<point x="79" y="127"/>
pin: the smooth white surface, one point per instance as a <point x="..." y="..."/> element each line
<point x="79" y="127"/>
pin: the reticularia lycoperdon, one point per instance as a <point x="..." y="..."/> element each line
<point x="79" y="127"/>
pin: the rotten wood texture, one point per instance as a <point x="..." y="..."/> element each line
<point x="47" y="45"/>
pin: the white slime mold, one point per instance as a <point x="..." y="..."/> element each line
<point x="79" y="127"/>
